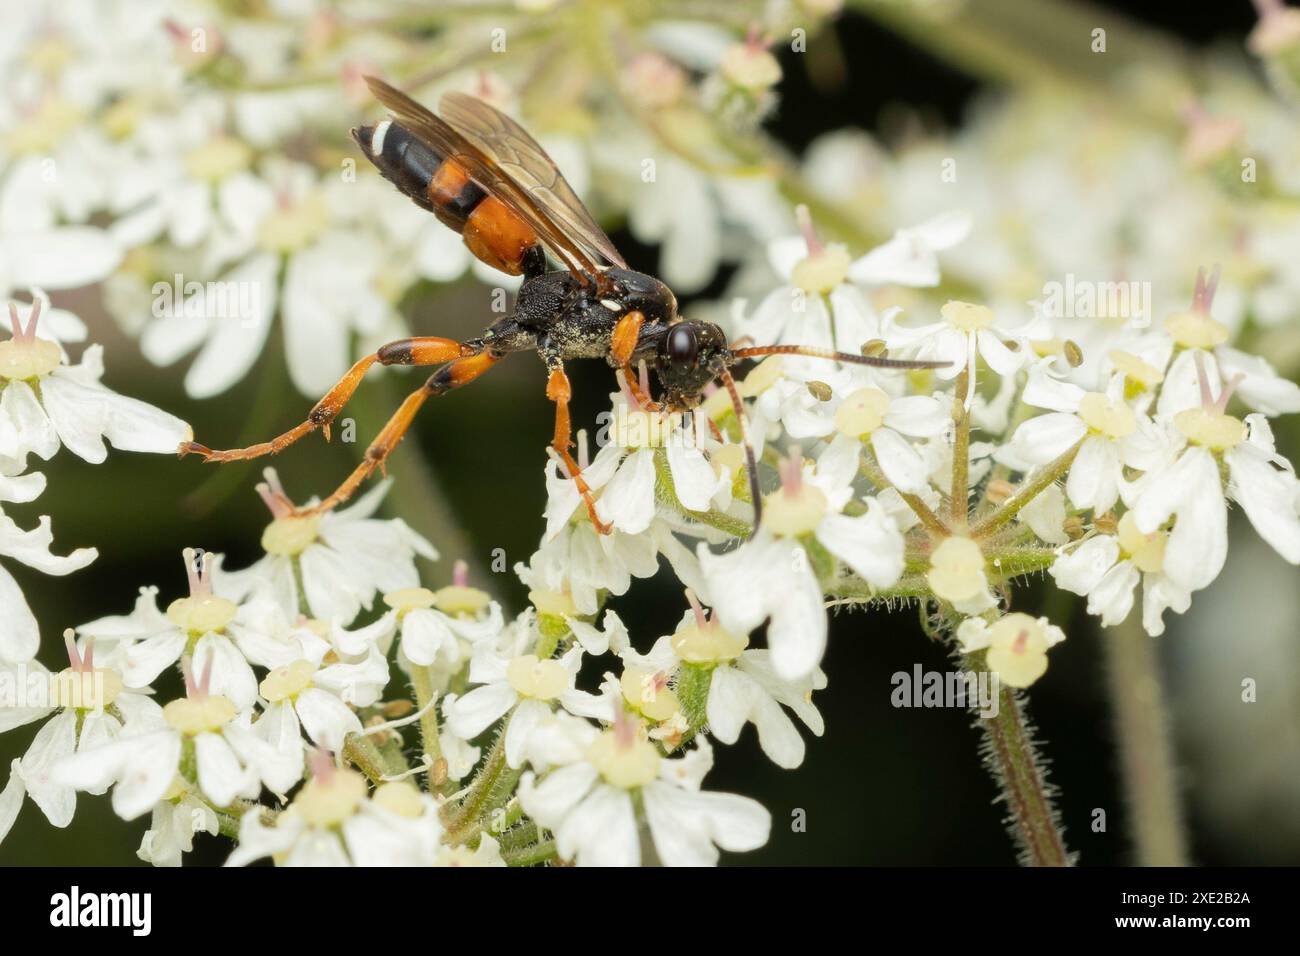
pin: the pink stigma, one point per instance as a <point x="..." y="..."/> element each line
<point x="460" y="574"/>
<point x="804" y="218"/>
<point x="21" y="334"/>
<point x="1203" y="296"/>
<point x="701" y="617"/>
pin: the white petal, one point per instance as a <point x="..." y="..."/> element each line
<point x="1045" y="437"/>
<point x="1083" y="568"/>
<point x="628" y="501"/>
<point x="601" y="831"/>
<point x="870" y="544"/>
<point x="686" y="824"/>
<point x="1269" y="496"/>
<point x="1093" y="481"/>
<point x="901" y="463"/>
<point x="326" y="719"/>
<point x="221" y="777"/>
<point x="20" y="637"/>
<point x="473" y="713"/>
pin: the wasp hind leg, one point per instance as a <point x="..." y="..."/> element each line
<point x="560" y="392"/>
<point x="453" y="375"/>
<point x="425" y="350"/>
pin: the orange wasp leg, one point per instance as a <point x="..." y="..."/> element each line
<point x="621" y="346"/>
<point x="560" y="391"/>
<point x="427" y="350"/>
<point x="460" y="372"/>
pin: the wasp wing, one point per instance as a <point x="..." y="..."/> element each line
<point x="483" y="169"/>
<point x="522" y="158"/>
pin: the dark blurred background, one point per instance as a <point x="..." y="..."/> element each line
<point x="882" y="787"/>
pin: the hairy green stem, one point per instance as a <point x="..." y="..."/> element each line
<point x="1045" y="476"/>
<point x="367" y="757"/>
<point x="1011" y="755"/>
<point x="929" y="520"/>
<point x="530" y="855"/>
<point x="422" y="684"/>
<point x="961" y="453"/>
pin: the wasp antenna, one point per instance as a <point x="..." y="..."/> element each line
<point x="832" y="355"/>
<point x="750" y="463"/>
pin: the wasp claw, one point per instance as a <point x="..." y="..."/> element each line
<point x="325" y="430"/>
<point x="193" y="448"/>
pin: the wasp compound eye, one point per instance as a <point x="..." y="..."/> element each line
<point x="682" y="345"/>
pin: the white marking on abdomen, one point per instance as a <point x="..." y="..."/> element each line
<point x="377" y="140"/>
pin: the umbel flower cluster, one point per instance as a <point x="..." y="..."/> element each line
<point x="1111" y="470"/>
<point x="341" y="708"/>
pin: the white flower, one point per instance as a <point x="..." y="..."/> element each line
<point x="957" y="575"/>
<point x="320" y="699"/>
<point x="19" y="635"/>
<point x="1189" y="486"/>
<point x="333" y="822"/>
<point x="513" y="680"/>
<point x="341" y="558"/>
<point x="439" y="628"/>
<point x="45" y="402"/>
<point x="588" y="802"/>
<point x="965" y="331"/>
<point x="1101" y="423"/>
<point x="1106" y="568"/>
<point x="90" y="707"/>
<point x="771" y="576"/>
<point x="230" y="760"/>
<point x="869" y="415"/>
<point x="744" y="687"/>
<point x="201" y="626"/>
<point x="1016" y="645"/>
<point x="172" y="827"/>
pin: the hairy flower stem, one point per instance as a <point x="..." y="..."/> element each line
<point x="531" y="855"/>
<point x="1146" y="751"/>
<point x="961" y="453"/>
<point x="1045" y="477"/>
<point x="461" y="819"/>
<point x="1011" y="755"/>
<point x="367" y="757"/>
<point x="422" y="684"/>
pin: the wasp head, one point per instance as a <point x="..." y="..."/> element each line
<point x="690" y="356"/>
